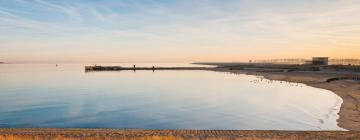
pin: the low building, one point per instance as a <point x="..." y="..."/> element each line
<point x="320" y="60"/>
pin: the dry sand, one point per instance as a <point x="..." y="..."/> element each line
<point x="102" y="134"/>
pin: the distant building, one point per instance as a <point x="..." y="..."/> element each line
<point x="319" y="61"/>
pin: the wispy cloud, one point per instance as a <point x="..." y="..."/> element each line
<point x="204" y="28"/>
<point x="71" y="11"/>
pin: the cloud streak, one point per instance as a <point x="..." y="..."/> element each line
<point x="224" y="30"/>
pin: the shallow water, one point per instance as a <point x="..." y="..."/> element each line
<point x="65" y="96"/>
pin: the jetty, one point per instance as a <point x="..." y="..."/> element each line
<point x="134" y="68"/>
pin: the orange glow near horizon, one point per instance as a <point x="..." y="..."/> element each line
<point x="177" y="31"/>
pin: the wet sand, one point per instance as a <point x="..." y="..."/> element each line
<point x="348" y="90"/>
<point x="102" y="134"/>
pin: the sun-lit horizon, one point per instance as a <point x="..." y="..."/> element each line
<point x="179" y="69"/>
<point x="43" y="31"/>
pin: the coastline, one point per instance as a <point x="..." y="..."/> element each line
<point x="348" y="90"/>
<point x="349" y="117"/>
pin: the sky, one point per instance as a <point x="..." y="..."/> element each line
<point x="72" y="31"/>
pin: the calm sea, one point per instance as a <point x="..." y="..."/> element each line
<point x="43" y="95"/>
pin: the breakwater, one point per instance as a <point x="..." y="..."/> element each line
<point x="356" y="78"/>
<point x="119" y="68"/>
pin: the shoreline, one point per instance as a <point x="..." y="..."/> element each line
<point x="348" y="90"/>
<point x="349" y="117"/>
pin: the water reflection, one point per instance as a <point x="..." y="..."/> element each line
<point x="65" y="96"/>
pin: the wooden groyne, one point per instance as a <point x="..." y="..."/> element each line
<point x="119" y="68"/>
<point x="343" y="78"/>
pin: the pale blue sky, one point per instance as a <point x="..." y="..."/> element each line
<point x="183" y="30"/>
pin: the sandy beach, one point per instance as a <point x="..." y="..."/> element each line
<point x="106" y="134"/>
<point x="348" y="90"/>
